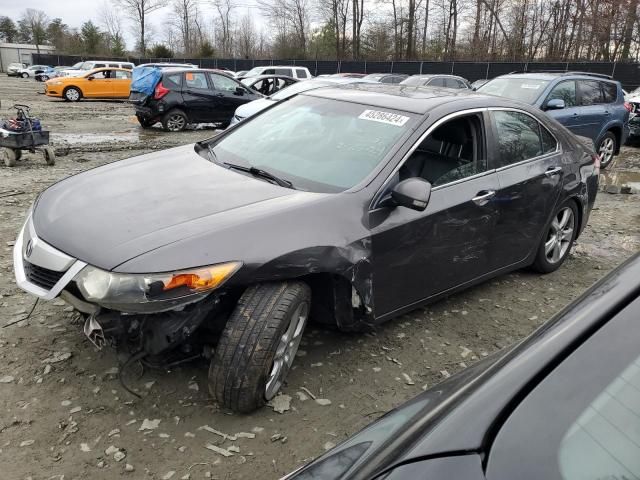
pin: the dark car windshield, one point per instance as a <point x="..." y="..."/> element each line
<point x="374" y="76"/>
<point x="526" y="90"/>
<point x="316" y="144"/>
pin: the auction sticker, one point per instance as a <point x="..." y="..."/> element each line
<point x="384" y="117"/>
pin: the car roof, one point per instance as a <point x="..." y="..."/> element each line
<point x="555" y="75"/>
<point x="196" y="69"/>
<point x="407" y="98"/>
<point x="259" y="77"/>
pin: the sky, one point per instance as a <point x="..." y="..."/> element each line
<point x="75" y="12"/>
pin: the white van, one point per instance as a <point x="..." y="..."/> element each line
<point x="301" y="73"/>
<point x="84" y="67"/>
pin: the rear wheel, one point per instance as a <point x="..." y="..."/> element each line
<point x="558" y="238"/>
<point x="606" y="149"/>
<point x="174" y="121"/>
<point x="72" y="94"/>
<point x="49" y="155"/>
<point x="8" y="156"/>
<point x="25" y="75"/>
<point x="258" y="345"/>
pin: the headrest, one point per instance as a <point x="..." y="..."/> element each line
<point x="456" y="132"/>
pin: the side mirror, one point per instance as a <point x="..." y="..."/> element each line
<point x="555" y="104"/>
<point x="239" y="91"/>
<point x="413" y="193"/>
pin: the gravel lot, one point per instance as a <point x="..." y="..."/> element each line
<point x="63" y="407"/>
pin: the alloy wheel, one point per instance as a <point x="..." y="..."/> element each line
<point x="606" y="150"/>
<point x="286" y="350"/>
<point x="176" y="123"/>
<point x="560" y="235"/>
<point x="72" y="94"/>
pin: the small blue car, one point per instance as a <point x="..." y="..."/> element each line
<point x="588" y="104"/>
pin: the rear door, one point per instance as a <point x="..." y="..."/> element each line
<point x="528" y="162"/>
<point x="121" y="83"/>
<point x="592" y="109"/>
<point x="201" y="101"/>
<point x="229" y="96"/>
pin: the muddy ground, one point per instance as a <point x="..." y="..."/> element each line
<point x="62" y="405"/>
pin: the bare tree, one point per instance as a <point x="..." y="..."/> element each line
<point x="35" y="21"/>
<point x="224" y="13"/>
<point x="183" y="19"/>
<point x="247" y="37"/>
<point x="111" y="22"/>
<point x="138" y="11"/>
<point x="289" y="16"/>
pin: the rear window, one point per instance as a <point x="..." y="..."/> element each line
<point x="414" y="81"/>
<point x="524" y="89"/>
<point x="436" y="82"/>
<point x="173" y="80"/>
<point x="610" y="91"/>
<point x="301" y="72"/>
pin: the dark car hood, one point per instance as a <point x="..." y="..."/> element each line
<point x="117" y="212"/>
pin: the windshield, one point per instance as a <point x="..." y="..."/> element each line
<point x="86" y="66"/>
<point x="416" y="81"/>
<point x="254" y="71"/>
<point x="76" y="66"/>
<point x="317" y="144"/>
<point x="524" y="89"/>
<point x="374" y="76"/>
<point x="299" y="88"/>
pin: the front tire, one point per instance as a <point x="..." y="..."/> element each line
<point x="9" y="156"/>
<point x="72" y="94"/>
<point x="558" y="238"/>
<point x="607" y="148"/>
<point x="174" y="121"/>
<point x="258" y="345"/>
<point x="25" y="75"/>
<point x="49" y="155"/>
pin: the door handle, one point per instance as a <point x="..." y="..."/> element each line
<point x="606" y="113"/>
<point x="219" y="95"/>
<point x="551" y="171"/>
<point x="483" y="197"/>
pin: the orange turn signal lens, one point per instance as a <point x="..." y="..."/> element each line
<point x="206" y="278"/>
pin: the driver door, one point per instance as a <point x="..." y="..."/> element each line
<point x="419" y="254"/>
<point x="99" y="85"/>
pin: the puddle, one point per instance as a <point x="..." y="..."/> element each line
<point x="91" y="138"/>
<point x="621" y="178"/>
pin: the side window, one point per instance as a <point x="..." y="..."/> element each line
<point x="610" y="91"/>
<point x="564" y="91"/>
<point x="195" y="80"/>
<point x="114" y="65"/>
<point x="590" y="92"/>
<point x="122" y="74"/>
<point x="452" y="83"/>
<point x="174" y="80"/>
<point x="301" y="73"/>
<point x="549" y="143"/>
<point x="220" y="82"/>
<point x="284" y="71"/>
<point x="436" y="82"/>
<point x="453" y="151"/>
<point x="518" y="137"/>
<point x="268" y="71"/>
<point x="100" y="65"/>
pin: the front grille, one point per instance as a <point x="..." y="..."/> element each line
<point x="40" y="276"/>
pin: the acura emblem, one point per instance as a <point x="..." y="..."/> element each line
<point x="29" y="249"/>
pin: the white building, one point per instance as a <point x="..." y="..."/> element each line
<point x="19" y="53"/>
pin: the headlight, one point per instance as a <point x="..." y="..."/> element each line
<point x="154" y="292"/>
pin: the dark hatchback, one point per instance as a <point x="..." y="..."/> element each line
<point x="348" y="205"/>
<point x="564" y="404"/>
<point x="187" y="96"/>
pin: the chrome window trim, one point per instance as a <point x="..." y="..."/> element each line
<point x="21" y="277"/>
<point x="532" y="159"/>
<point x="377" y="196"/>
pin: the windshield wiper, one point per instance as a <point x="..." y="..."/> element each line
<point x="258" y="172"/>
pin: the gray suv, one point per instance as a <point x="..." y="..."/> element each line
<point x="589" y="104"/>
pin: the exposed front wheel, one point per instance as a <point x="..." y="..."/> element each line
<point x="174" y="121"/>
<point x="25" y="75"/>
<point x="258" y="345"/>
<point x="606" y="149"/>
<point x="49" y="155"/>
<point x="558" y="238"/>
<point x="72" y="94"/>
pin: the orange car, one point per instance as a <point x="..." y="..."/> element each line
<point x="98" y="83"/>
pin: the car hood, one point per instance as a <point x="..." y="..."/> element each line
<point x="254" y="107"/>
<point x="111" y="214"/>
